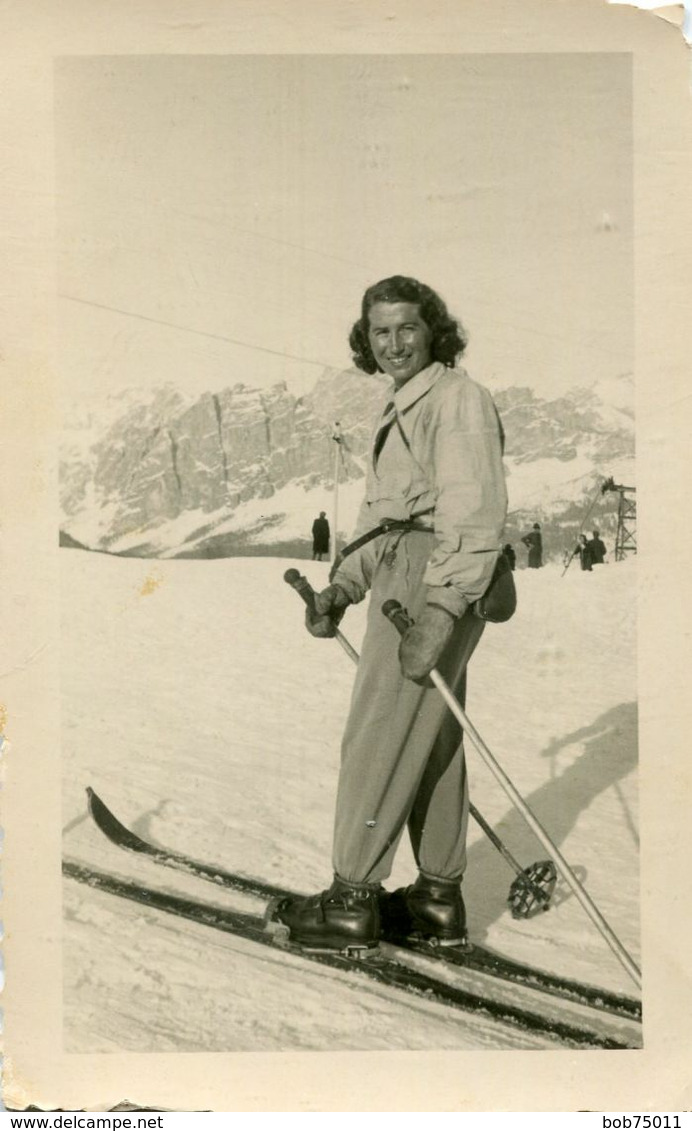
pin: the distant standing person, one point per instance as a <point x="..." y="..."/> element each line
<point x="598" y="549"/>
<point x="534" y="542"/>
<point x="583" y="549"/>
<point x="508" y="551"/>
<point x="320" y="537"/>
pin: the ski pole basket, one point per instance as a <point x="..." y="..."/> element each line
<point x="532" y="890"/>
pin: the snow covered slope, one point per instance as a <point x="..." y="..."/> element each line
<point x="200" y="709"/>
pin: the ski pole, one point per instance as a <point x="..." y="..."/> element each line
<point x="538" y="880"/>
<point x="401" y="620"/>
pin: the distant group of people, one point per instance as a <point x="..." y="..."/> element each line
<point x="590" y="551"/>
<point x="534" y="544"/>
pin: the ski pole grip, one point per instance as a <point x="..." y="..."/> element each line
<point x="397" y="614"/>
<point x="302" y="587"/>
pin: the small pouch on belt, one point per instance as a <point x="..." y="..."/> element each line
<point x="499" y="601"/>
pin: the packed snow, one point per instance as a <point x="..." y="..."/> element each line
<point x="207" y="718"/>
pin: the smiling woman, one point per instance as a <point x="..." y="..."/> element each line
<point x="404" y="326"/>
<point x="438" y="476"/>
<point x="399" y="339"/>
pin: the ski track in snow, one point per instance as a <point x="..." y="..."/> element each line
<point x="198" y="707"/>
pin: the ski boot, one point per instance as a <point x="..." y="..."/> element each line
<point x="344" y="919"/>
<point x="430" y="911"/>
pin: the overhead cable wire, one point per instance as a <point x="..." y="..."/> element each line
<point x="201" y="333"/>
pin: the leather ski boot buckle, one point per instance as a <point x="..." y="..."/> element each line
<point x="361" y="952"/>
<point x="436" y="943"/>
<point x="461" y="943"/>
<point x="355" y="952"/>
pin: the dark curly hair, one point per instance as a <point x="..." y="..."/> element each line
<point x="448" y="336"/>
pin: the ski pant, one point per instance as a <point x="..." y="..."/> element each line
<point x="402" y="758"/>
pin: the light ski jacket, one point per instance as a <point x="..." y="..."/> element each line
<point x="440" y="460"/>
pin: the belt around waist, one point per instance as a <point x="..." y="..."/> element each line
<point x="387" y="526"/>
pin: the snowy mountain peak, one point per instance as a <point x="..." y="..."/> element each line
<point x="158" y="473"/>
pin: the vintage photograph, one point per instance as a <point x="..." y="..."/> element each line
<point x="343" y="541"/>
<point x="348" y="552"/>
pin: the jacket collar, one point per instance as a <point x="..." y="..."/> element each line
<point x="418" y="386"/>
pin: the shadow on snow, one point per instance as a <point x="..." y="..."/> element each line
<point x="610" y="754"/>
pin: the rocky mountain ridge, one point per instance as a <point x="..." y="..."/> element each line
<point x="165" y="474"/>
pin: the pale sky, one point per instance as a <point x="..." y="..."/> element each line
<point x="220" y="216"/>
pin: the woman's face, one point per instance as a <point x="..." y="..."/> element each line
<point x="400" y="339"/>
